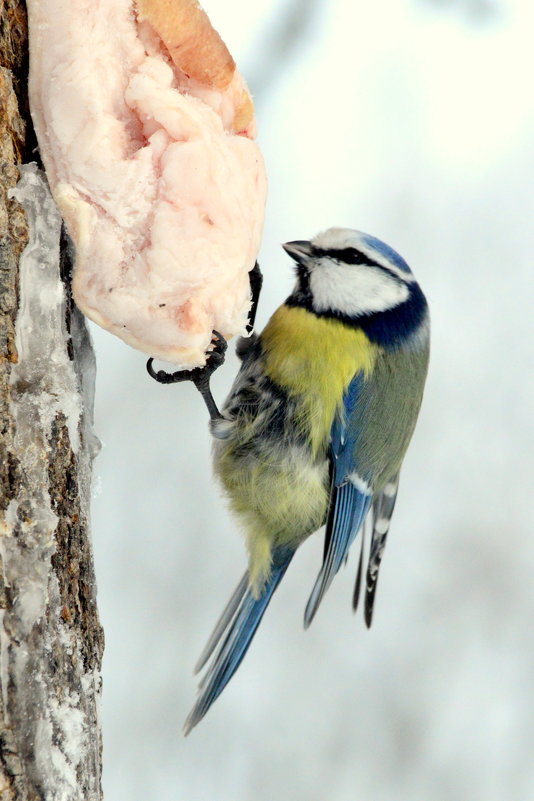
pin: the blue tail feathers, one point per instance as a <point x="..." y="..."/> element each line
<point x="239" y="621"/>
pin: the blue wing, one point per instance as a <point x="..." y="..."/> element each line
<point x="350" y="498"/>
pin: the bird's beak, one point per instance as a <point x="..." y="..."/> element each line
<point x="300" y="250"/>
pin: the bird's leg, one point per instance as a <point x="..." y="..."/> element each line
<point x="200" y="376"/>
<point x="256" y="280"/>
<point x="244" y="344"/>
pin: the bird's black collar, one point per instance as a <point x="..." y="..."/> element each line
<point x="387" y="328"/>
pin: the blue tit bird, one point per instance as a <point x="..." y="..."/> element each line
<point x="315" y="427"/>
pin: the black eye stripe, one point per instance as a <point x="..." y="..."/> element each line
<point x="346" y="255"/>
<point x="353" y="256"/>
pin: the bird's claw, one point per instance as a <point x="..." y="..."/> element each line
<point x="217" y="355"/>
<point x="197" y="375"/>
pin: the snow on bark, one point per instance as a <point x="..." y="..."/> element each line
<point x="51" y="641"/>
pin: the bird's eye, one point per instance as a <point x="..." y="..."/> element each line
<point x="351" y="256"/>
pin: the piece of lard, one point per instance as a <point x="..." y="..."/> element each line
<point x="145" y="130"/>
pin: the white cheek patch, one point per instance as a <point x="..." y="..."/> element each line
<point x="354" y="289"/>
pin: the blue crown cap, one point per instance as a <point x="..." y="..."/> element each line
<point x="386" y="251"/>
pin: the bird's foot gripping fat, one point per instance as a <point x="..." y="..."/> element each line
<point x="200" y="376"/>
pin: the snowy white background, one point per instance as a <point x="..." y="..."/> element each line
<point x="414" y="121"/>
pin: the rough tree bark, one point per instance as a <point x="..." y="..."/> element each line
<point x="51" y="640"/>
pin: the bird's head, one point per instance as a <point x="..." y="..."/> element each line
<point x="349" y="274"/>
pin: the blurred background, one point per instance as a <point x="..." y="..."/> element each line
<point x="412" y="120"/>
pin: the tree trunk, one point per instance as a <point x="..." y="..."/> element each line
<point x="51" y="640"/>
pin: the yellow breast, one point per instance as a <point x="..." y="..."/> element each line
<point x="314" y="359"/>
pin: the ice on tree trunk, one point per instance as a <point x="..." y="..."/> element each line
<point x="145" y="129"/>
<point x="51" y="641"/>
